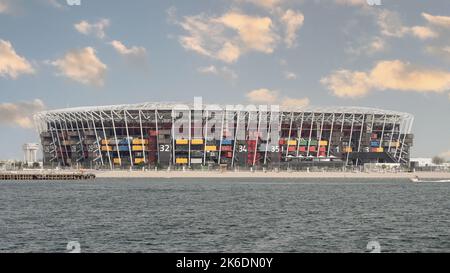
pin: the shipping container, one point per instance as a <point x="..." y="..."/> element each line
<point x="347" y="149"/>
<point x="139" y="160"/>
<point x="197" y="141"/>
<point x="137" y="148"/>
<point x="181" y="160"/>
<point x="182" y="141"/>
<point x="292" y="142"/>
<point x="227" y="142"/>
<point x="196" y="160"/>
<point x="323" y="143"/>
<point x="140" y="141"/>
<point x="211" y="148"/>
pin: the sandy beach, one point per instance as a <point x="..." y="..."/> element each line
<point x="261" y="174"/>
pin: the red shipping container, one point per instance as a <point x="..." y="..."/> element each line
<point x="291" y="148"/>
<point x="374" y="136"/>
<point x="322" y="149"/>
<point x="282" y="141"/>
<point x="153" y="133"/>
<point x="227" y="148"/>
<point x="312" y="149"/>
<point x="322" y="154"/>
<point x="302" y="149"/>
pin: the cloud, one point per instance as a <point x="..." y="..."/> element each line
<point x="224" y="71"/>
<point x="255" y="33"/>
<point x="352" y="2"/>
<point x="11" y="64"/>
<point x="442" y="21"/>
<point x="20" y="114"/>
<point x="423" y="32"/>
<point x="82" y="65"/>
<point x="4" y="7"/>
<point x="268" y="4"/>
<point x="267" y="96"/>
<point x="132" y="51"/>
<point x="391" y="25"/>
<point x="263" y="95"/>
<point x="97" y="29"/>
<point x="290" y="75"/>
<point x="292" y="21"/>
<point x="229" y="36"/>
<point x="291" y="102"/>
<point x="387" y="75"/>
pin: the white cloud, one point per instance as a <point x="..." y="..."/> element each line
<point x="132" y="51"/>
<point x="292" y="21"/>
<point x="267" y="4"/>
<point x="267" y="96"/>
<point x="263" y="95"/>
<point x="442" y="21"/>
<point x="97" y="29"/>
<point x="4" y="7"/>
<point x="224" y="71"/>
<point x="290" y="75"/>
<point x="20" y="114"/>
<point x="229" y="36"/>
<point x="82" y="65"/>
<point x="11" y="64"/>
<point x="291" y="102"/>
<point x="387" y="75"/>
<point x="391" y="25"/>
<point x="423" y="32"/>
<point x="352" y="2"/>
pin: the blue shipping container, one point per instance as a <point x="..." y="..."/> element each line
<point x="374" y="143"/>
<point x="227" y="142"/>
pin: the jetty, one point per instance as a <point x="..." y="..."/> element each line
<point x="39" y="175"/>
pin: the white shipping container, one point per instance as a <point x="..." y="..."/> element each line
<point x="196" y="160"/>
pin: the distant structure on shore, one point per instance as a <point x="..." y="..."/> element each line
<point x="161" y="135"/>
<point x="30" y="153"/>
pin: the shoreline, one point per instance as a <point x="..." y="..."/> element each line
<point x="260" y="174"/>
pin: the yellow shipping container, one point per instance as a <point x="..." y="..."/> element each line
<point x="137" y="148"/>
<point x="347" y="149"/>
<point x="138" y="160"/>
<point x="197" y="141"/>
<point x="116" y="160"/>
<point x="292" y="142"/>
<point x="181" y="160"/>
<point x="323" y="143"/>
<point x="182" y="141"/>
<point x="377" y="150"/>
<point x="105" y="141"/>
<point x="106" y="148"/>
<point x="139" y="141"/>
<point x="211" y="148"/>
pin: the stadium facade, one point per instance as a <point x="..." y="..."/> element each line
<point x="169" y="135"/>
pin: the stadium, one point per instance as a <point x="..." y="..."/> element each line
<point x="174" y="136"/>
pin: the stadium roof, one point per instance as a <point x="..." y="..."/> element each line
<point x="172" y="105"/>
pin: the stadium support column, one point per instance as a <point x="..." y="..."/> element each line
<point x="128" y="138"/>
<point x="190" y="137"/>
<point x="350" y="140"/>
<point x="235" y="134"/>
<point x="157" y="135"/>
<point x="268" y="137"/>
<point x="392" y="133"/>
<point x="221" y="136"/>
<point x="310" y="134"/>
<point x="173" y="137"/>
<point x="320" y="134"/>
<point x="410" y="123"/>
<point x="96" y="137"/>
<point x="257" y="137"/>
<point x="58" y="138"/>
<point x="107" y="142"/>
<point x="299" y="134"/>
<point x="206" y="137"/>
<point x="331" y="134"/>
<point x="382" y="131"/>
<point x="289" y="137"/>
<point x="63" y="138"/>
<point x="360" y="136"/>
<point x="142" y="135"/>
<point x="115" y="138"/>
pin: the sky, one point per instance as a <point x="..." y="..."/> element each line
<point x="393" y="56"/>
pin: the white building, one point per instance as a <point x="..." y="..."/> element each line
<point x="30" y="152"/>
